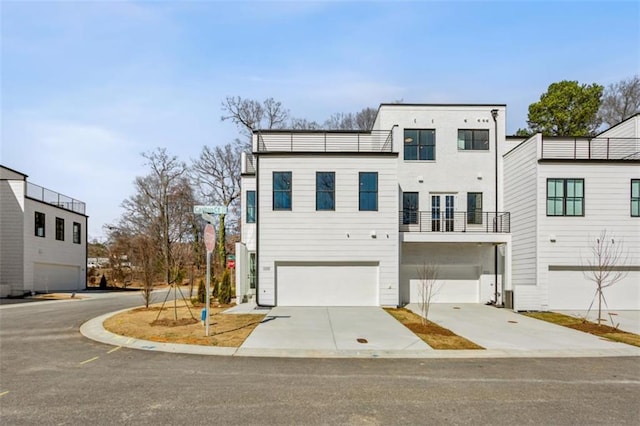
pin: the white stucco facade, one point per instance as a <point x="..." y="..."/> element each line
<point x="44" y="238"/>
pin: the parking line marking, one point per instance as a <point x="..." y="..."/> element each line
<point x="89" y="360"/>
<point x="4" y="393"/>
<point x="114" y="349"/>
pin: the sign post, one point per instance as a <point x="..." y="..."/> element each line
<point x="210" y="242"/>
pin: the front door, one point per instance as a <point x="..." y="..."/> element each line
<point x="252" y="271"/>
<point x="409" y="208"/>
<point x="442" y="213"/>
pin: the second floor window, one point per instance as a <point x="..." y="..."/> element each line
<point x="419" y="144"/>
<point x="39" y="224"/>
<point x="325" y="191"/>
<point x="474" y="208"/>
<point x="565" y="197"/>
<point x="281" y="190"/>
<point x="473" y="140"/>
<point x="251" y="206"/>
<point x="368" y="191"/>
<point x="635" y="197"/>
<point x="59" y="229"/>
<point x="77" y="229"/>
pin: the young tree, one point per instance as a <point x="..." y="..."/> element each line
<point x="566" y="109"/>
<point x="605" y="267"/>
<point x="620" y="101"/>
<point x="216" y="176"/>
<point x="427" y="287"/>
<point x="146" y="260"/>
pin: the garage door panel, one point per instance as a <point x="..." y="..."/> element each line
<point x="571" y="290"/>
<point x="455" y="284"/>
<point x="49" y="277"/>
<point x="327" y="285"/>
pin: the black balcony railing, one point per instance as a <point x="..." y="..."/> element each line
<point x="48" y="196"/>
<point x="324" y="141"/>
<point x="591" y="149"/>
<point x="447" y="221"/>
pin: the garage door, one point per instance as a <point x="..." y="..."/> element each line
<point x="327" y="284"/>
<point x="455" y="284"/>
<point x="48" y="277"/>
<point x="571" y="290"/>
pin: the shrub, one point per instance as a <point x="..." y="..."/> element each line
<point x="224" y="296"/>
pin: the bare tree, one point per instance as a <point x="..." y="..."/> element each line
<point x="428" y="287"/>
<point x="146" y="260"/>
<point x="216" y="177"/>
<point x="620" y="101"/>
<point x="605" y="267"/>
<point x="249" y="115"/>
<point x="304" y="124"/>
<point x="161" y="207"/>
<point x="364" y="119"/>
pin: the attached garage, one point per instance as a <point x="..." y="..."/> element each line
<point x="569" y="289"/>
<point x="327" y="284"/>
<point x="49" y="277"/>
<point x="455" y="284"/>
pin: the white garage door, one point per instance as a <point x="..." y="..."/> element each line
<point x="48" y="277"/>
<point x="571" y="290"/>
<point x="455" y="284"/>
<point x="327" y="285"/>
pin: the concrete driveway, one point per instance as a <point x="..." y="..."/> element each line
<point x="502" y="329"/>
<point x="332" y="330"/>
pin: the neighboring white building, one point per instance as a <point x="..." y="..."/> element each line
<point x="349" y="218"/>
<point x="43" y="238"/>
<point x="562" y="192"/>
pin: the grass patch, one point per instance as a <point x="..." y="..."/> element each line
<point x="226" y="330"/>
<point x="580" y="324"/>
<point x="432" y="334"/>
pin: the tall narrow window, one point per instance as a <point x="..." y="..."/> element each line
<point x="474" y="208"/>
<point x="368" y="191"/>
<point x="565" y="197"/>
<point x="39" y="225"/>
<point x="325" y="191"/>
<point x="59" y="229"/>
<point x="473" y="140"/>
<point x="77" y="230"/>
<point x="419" y="144"/>
<point x="282" y="190"/>
<point x="409" y="208"/>
<point x="251" y="206"/>
<point x="635" y="197"/>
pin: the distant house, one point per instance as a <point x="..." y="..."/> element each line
<point x="562" y="192"/>
<point x="43" y="238"/>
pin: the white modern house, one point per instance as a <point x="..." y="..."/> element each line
<point x="562" y="193"/>
<point x="343" y="218"/>
<point x="43" y="238"/>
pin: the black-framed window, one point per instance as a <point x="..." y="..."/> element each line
<point x="282" y="190"/>
<point x="251" y="207"/>
<point x="565" y="197"/>
<point x="474" y="208"/>
<point x="419" y="144"/>
<point x="77" y="232"/>
<point x="40" y="224"/>
<point x="635" y="197"/>
<point x="409" y="208"/>
<point x="59" y="229"/>
<point x="368" y="200"/>
<point x="325" y="191"/>
<point x="473" y="139"/>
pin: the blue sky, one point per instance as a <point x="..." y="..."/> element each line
<point x="88" y="86"/>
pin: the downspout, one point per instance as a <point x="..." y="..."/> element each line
<point x="494" y="115"/>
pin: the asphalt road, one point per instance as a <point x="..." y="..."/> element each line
<point x="50" y="374"/>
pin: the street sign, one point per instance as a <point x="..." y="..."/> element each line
<point x="208" y="217"/>
<point x="210" y="209"/>
<point x="231" y="263"/>
<point x="209" y="237"/>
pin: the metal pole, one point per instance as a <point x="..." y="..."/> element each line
<point x="206" y="308"/>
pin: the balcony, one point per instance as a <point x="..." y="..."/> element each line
<point x="51" y="197"/>
<point x="277" y="141"/>
<point x="445" y="222"/>
<point x="591" y="149"/>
